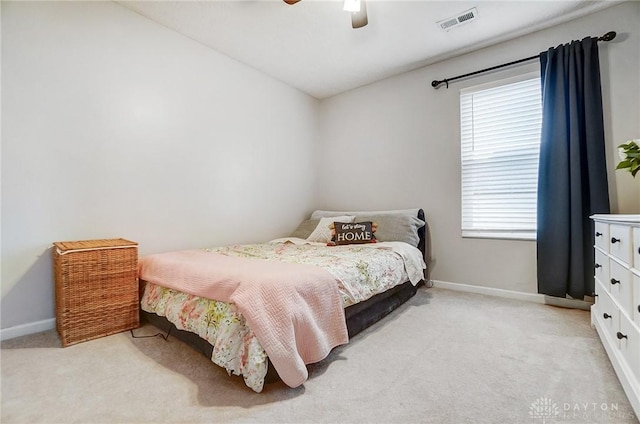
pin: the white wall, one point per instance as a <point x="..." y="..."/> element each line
<point x="396" y="144"/>
<point x="114" y="126"/>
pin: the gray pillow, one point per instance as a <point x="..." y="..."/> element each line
<point x="398" y="227"/>
<point x="322" y="213"/>
<point x="305" y="228"/>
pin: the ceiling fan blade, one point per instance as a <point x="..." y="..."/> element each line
<point x="359" y="19"/>
<point x="291" y="1"/>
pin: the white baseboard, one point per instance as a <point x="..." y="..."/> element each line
<point x="510" y="294"/>
<point x="25" y="329"/>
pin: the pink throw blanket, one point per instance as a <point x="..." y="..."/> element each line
<point x="294" y="310"/>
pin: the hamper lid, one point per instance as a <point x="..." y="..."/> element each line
<point x="64" y="246"/>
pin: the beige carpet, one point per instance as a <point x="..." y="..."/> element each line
<point x="444" y="357"/>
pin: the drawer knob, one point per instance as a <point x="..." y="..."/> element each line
<point x="596" y="295"/>
<point x="606" y="315"/>
<point x="598" y="234"/>
<point x="621" y="336"/>
<point x="598" y="266"/>
<point x="614" y="240"/>
<point x="614" y="281"/>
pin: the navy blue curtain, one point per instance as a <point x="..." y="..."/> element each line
<point x="572" y="178"/>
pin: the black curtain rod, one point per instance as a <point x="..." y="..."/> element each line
<point x="435" y="83"/>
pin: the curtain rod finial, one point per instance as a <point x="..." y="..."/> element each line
<point x="608" y="36"/>
<point x="436" y="83"/>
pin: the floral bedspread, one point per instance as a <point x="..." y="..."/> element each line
<point x="362" y="271"/>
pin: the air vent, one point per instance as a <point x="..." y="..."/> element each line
<point x="455" y="21"/>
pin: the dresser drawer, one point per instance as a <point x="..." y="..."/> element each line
<point x="602" y="235"/>
<point x="601" y="267"/>
<point x="636" y="300"/>
<point x="620" y="242"/>
<point x="628" y="337"/>
<point x="620" y="285"/>
<point x="636" y="249"/>
<point x="607" y="313"/>
<point x="600" y="292"/>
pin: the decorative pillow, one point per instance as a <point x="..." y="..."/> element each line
<point x="353" y="233"/>
<point x="322" y="233"/>
<point x="305" y="228"/>
<point x="396" y="227"/>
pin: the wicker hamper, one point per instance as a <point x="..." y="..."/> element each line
<point x="96" y="284"/>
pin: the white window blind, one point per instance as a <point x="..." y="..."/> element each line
<point x="500" y="136"/>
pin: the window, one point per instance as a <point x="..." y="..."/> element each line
<point x="500" y="141"/>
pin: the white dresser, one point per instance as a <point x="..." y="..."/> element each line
<point x="616" y="312"/>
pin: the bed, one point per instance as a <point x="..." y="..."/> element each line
<point x="264" y="311"/>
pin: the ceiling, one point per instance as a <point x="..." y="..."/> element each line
<point x="311" y="45"/>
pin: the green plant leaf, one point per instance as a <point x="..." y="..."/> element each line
<point x="624" y="164"/>
<point x="630" y="151"/>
